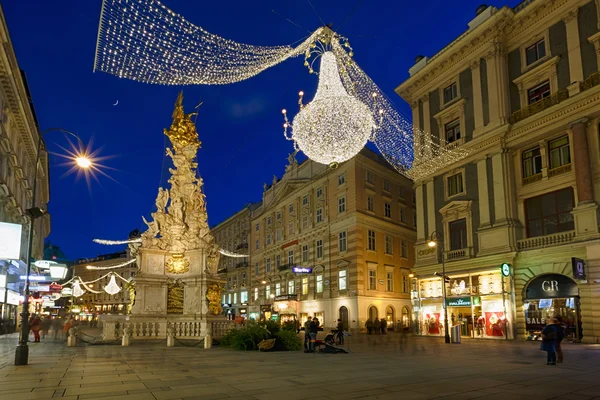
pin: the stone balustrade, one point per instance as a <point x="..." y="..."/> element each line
<point x="546" y="241"/>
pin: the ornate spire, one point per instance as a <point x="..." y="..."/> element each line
<point x="182" y="132"/>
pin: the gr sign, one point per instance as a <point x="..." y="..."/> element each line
<point x="551" y="286"/>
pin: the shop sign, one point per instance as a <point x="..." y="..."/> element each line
<point x="265" y="308"/>
<point x="551" y="286"/>
<point x="12" y="297"/>
<point x="38" y="288"/>
<point x="302" y="270"/>
<point x="459" y="302"/>
<point x="578" y="268"/>
<point x="10" y="241"/>
<point x="505" y="268"/>
<point x="286" y="297"/>
<point x="48" y="304"/>
<point x="37" y="278"/>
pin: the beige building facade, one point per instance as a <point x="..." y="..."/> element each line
<point x="519" y="91"/>
<point x="331" y="243"/>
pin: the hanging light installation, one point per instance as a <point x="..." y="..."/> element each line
<point x="112" y="287"/>
<point x="77" y="290"/>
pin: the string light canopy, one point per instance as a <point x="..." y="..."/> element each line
<point x="145" y="41"/>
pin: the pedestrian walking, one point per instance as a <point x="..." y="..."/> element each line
<point x="340" y="332"/>
<point x="45" y="327"/>
<point x="549" y="335"/>
<point x="369" y="326"/>
<point x="560" y="336"/>
<point x="314" y="329"/>
<point x="307" y="335"/>
<point x="35" y="324"/>
<point x="377" y="326"/>
<point x="55" y="326"/>
<point x="383" y="326"/>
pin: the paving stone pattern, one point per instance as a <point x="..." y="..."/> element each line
<point x="382" y="367"/>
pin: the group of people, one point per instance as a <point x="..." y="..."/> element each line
<point x="376" y="326"/>
<point x="552" y="336"/>
<point x="40" y="327"/>
<point x="311" y="328"/>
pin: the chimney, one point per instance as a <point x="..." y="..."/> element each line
<point x="482" y="13"/>
<point x="420" y="62"/>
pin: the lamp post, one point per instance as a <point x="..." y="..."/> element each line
<point x="436" y="241"/>
<point x="22" y="350"/>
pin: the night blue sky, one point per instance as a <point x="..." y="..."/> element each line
<point x="239" y="124"/>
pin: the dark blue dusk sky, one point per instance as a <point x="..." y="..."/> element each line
<point x="239" y="124"/>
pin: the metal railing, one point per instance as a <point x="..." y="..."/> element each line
<point x="532" y="179"/>
<point x="559" y="170"/>
<point x="591" y="81"/>
<point x="538" y="106"/>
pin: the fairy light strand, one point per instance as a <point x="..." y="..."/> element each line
<point x="116" y="242"/>
<point x="124" y="264"/>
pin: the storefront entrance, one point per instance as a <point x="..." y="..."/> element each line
<point x="549" y="296"/>
<point x="344" y="317"/>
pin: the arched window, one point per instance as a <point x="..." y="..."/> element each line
<point x="405" y="318"/>
<point x="390" y="316"/>
<point x="373" y="314"/>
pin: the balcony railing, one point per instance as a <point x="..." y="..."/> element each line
<point x="532" y="179"/>
<point x="285" y="267"/>
<point x="559" y="170"/>
<point x="457" y="254"/>
<point x="591" y="81"/>
<point x="546" y="241"/>
<point x="538" y="106"/>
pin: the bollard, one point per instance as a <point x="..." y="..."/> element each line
<point x="127" y="332"/>
<point x="207" y="341"/>
<point x="170" y="337"/>
<point x="72" y="339"/>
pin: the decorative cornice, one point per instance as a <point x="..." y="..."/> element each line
<point x="572" y="14"/>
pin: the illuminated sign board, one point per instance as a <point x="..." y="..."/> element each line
<point x="302" y="270"/>
<point x="2" y="281"/>
<point x="10" y="241"/>
<point x="505" y="268"/>
<point x="12" y="297"/>
<point x="38" y="278"/>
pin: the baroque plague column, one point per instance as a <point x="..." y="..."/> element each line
<point x="177" y="291"/>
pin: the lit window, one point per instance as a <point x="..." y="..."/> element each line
<point x="319" y="247"/>
<point x="539" y="92"/>
<point x="319" y="283"/>
<point x="389" y="244"/>
<point x="532" y="162"/>
<point x="390" y="282"/>
<point x="341" y="204"/>
<point x="319" y="215"/>
<point x="268" y="291"/>
<point x="304" y="286"/>
<point x="291" y="287"/>
<point x="341" y="179"/>
<point x="244" y="297"/>
<point x="369" y="177"/>
<point x="387" y="209"/>
<point x="560" y="153"/>
<point x="268" y="264"/>
<point x="452" y="130"/>
<point x="386" y="185"/>
<point x="371" y="241"/>
<point x="235" y="298"/>
<point x="370" y="203"/>
<point x="256" y="293"/>
<point x="342" y="280"/>
<point x="342" y="241"/>
<point x="455" y="184"/>
<point x="450" y="93"/>
<point x="535" y="52"/>
<point x="278" y="289"/>
<point x="404" y="249"/>
<point x="305" y="253"/>
<point x="319" y="192"/>
<point x="372" y="279"/>
<point x="291" y="257"/>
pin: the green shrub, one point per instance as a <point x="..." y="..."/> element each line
<point x="245" y="338"/>
<point x="289" y="326"/>
<point x="272" y="326"/>
<point x="287" y="341"/>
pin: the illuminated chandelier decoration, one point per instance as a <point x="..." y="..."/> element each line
<point x="145" y="41"/>
<point x="79" y="287"/>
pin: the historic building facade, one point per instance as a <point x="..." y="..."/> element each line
<point x="331" y="243"/>
<point x="19" y="133"/>
<point x="519" y="91"/>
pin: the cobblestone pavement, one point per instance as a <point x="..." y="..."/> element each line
<point x="376" y="368"/>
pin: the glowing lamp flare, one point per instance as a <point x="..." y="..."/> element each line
<point x="83" y="161"/>
<point x="335" y="126"/>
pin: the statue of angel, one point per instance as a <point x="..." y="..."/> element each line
<point x="162" y="199"/>
<point x="153" y="228"/>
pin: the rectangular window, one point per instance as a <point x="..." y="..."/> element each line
<point x="290" y="257"/>
<point x="319" y="192"/>
<point x="371" y="240"/>
<point x="535" y="52"/>
<point x="372" y="279"/>
<point x="387" y="210"/>
<point x="452" y="130"/>
<point x="256" y="269"/>
<point x="386" y="185"/>
<point x="319" y="283"/>
<point x="267" y="291"/>
<point x="370" y="203"/>
<point x="257" y="244"/>
<point x="305" y="201"/>
<point x="277" y="261"/>
<point x="403" y="215"/>
<point x="291" y="228"/>
<point x="404" y="246"/>
<point x="278" y="289"/>
<point x="450" y="93"/>
<point x="405" y="281"/>
<point x="269" y="220"/>
<point x="401" y="193"/>
<point x="458" y="234"/>
<point x="243" y="297"/>
<point x="268" y="239"/>
<point x="539" y="92"/>
<point x="369" y="177"/>
<point x="532" y="162"/>
<point x="290" y="208"/>
<point x="341" y="204"/>
<point x="304" y="286"/>
<point x="341" y="179"/>
<point x="389" y="244"/>
<point x="319" y="215"/>
<point x="305" y="253"/>
<point x="257" y="228"/>
<point x="268" y="265"/>
<point x="342" y="280"/>
<point x="455" y="184"/>
<point x="550" y="213"/>
<point x="229" y="298"/>
<point x="560" y="153"/>
<point x="319" y="247"/>
<point x="224" y="299"/>
<point x="278" y="215"/>
<point x="305" y="222"/>
<point x="389" y="282"/>
<point x="291" y="287"/>
<point x="255" y="293"/>
<point x="235" y="298"/>
<point x="342" y="241"/>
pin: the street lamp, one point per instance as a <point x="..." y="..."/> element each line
<point x="82" y="161"/>
<point x="436" y="241"/>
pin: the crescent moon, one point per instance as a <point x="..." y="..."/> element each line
<point x="116" y="103"/>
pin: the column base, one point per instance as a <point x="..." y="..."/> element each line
<point x="586" y="221"/>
